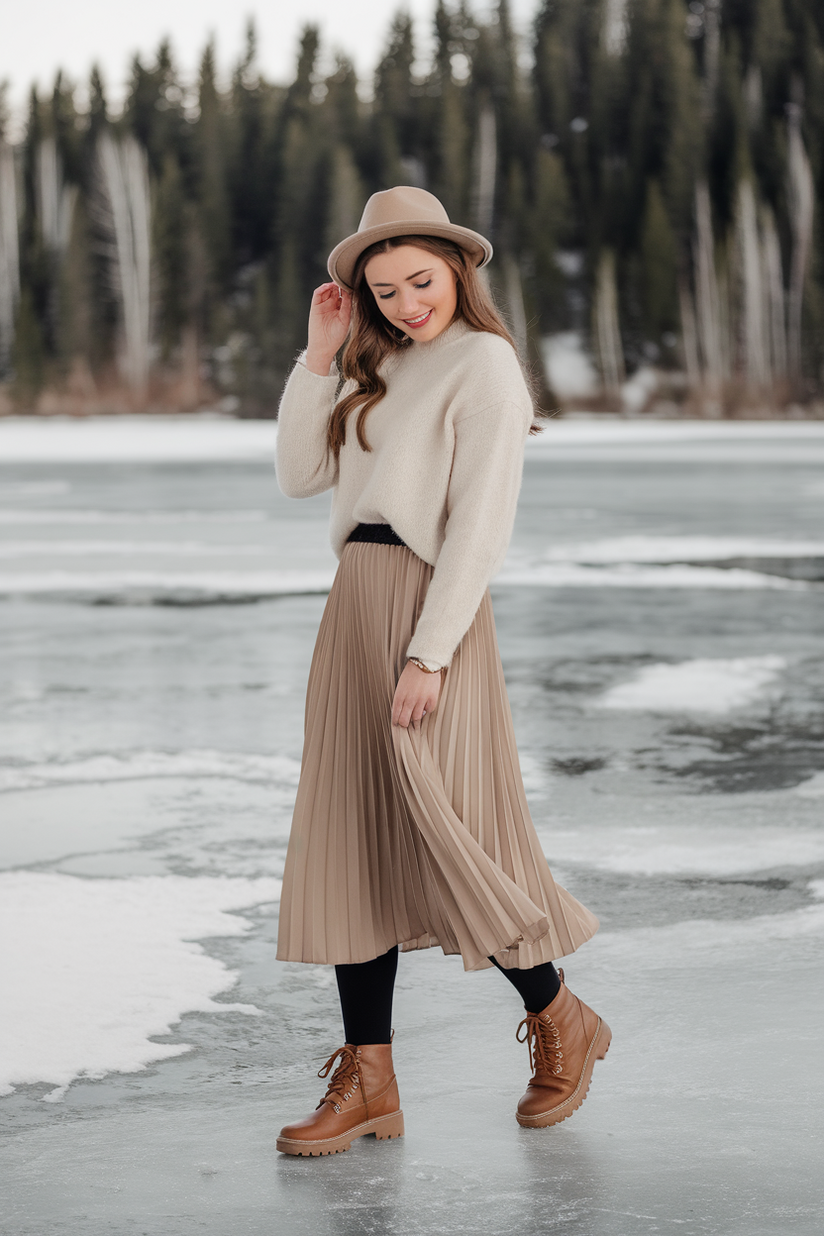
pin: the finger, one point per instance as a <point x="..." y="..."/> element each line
<point x="323" y="292"/>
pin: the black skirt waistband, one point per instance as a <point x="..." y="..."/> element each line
<point x="376" y="534"/>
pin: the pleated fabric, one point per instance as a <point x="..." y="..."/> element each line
<point x="415" y="837"/>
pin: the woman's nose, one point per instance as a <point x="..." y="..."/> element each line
<point x="409" y="306"/>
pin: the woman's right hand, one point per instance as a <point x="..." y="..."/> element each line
<point x="329" y="319"/>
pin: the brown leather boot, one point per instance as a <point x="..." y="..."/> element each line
<point x="362" y="1098"/>
<point x="564" y="1041"/>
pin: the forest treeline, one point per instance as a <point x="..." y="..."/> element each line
<point x="652" y="178"/>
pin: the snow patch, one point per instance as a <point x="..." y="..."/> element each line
<point x="569" y="368"/>
<point x="123" y="549"/>
<point x="681" y="549"/>
<point x="695" y="686"/>
<point x="688" y="850"/>
<point x="21" y="515"/>
<point x="628" y="575"/>
<point x="148" y="586"/>
<point x="135" y="439"/>
<point x="143" y="765"/>
<point x="92" y="970"/>
<point x="814" y="788"/>
<point x="696" y="941"/>
<point x="636" y="390"/>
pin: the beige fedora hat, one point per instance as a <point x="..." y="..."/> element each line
<point x="402" y="211"/>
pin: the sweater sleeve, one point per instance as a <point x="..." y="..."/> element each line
<point x="481" y="501"/>
<point x="303" y="462"/>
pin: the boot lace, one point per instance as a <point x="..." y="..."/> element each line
<point x="344" y="1081"/>
<point x="544" y="1042"/>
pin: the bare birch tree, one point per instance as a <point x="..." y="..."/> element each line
<point x="124" y="177"/>
<point x="708" y="300"/>
<point x="9" y="254"/>
<point x="754" y="336"/>
<point x="607" y="329"/>
<point x="486" y="169"/>
<point x="802" y="202"/>
<point x="55" y="198"/>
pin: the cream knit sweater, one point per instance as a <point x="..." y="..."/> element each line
<point x="444" y="470"/>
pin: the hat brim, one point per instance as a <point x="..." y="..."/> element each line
<point x="344" y="257"/>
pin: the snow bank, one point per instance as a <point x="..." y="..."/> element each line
<point x="91" y="970"/>
<point x="695" y="686"/>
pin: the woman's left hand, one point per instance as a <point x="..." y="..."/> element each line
<point x="416" y="693"/>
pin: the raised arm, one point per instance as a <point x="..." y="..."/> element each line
<point x="304" y="463"/>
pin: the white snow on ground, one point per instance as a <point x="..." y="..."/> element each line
<point x="695" y="942"/>
<point x="79" y="1001"/>
<point x="695" y="686"/>
<point x="568" y="365"/>
<point x="135" y="439"/>
<point x="718" y="850"/>
<point x="159" y="583"/>
<point x="674" y="549"/>
<point x="149" y="439"/>
<point x="150" y="585"/>
<point x="628" y="575"/>
<point x="122" y="549"/>
<point x="140" y="765"/>
<point x="59" y="517"/>
<point x="814" y="788"/>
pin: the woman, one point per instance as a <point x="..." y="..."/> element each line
<point x="411" y="827"/>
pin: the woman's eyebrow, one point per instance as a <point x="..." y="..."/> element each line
<point x="416" y="275"/>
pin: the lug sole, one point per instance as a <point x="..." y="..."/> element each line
<point x="384" y="1127"/>
<point x="598" y="1049"/>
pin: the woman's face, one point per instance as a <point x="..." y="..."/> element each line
<point x="415" y="289"/>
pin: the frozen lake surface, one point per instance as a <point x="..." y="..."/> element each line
<point x="660" y="617"/>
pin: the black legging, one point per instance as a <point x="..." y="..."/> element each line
<point x="366" y="990"/>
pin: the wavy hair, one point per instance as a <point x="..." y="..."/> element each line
<point x="373" y="337"/>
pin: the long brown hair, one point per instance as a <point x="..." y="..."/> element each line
<point x="373" y="337"/>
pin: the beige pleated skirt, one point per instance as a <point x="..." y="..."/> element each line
<point x="415" y="837"/>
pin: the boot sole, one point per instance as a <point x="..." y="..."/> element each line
<point x="383" y="1127"/>
<point x="598" y="1049"/>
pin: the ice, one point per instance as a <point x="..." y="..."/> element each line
<point x="153" y="439"/>
<point x="663" y="549"/>
<point x="717" y="849"/>
<point x="134" y="439"/>
<point x="814" y="788"/>
<point x="626" y="575"/>
<point x="151" y="739"/>
<point x="701" y="685"/>
<point x="92" y="970"/>
<point x="175" y="549"/>
<point x="148" y="586"/>
<point x="138" y="765"/>
<point x="73" y="516"/>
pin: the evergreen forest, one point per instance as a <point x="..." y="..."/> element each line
<point x="651" y="173"/>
